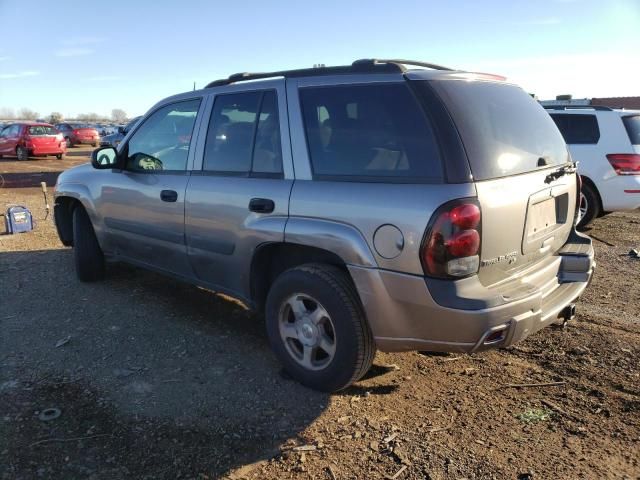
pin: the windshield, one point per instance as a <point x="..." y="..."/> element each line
<point x="42" y="130"/>
<point x="632" y="124"/>
<point x="505" y="131"/>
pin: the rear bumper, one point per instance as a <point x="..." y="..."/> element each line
<point x="49" y="150"/>
<point x="620" y="192"/>
<point x="85" y="140"/>
<point x="403" y="314"/>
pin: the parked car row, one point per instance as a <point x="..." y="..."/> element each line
<point x="25" y="139"/>
<point x="29" y="139"/>
<point x="606" y="144"/>
<point x="114" y="139"/>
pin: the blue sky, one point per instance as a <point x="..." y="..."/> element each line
<point x="77" y="57"/>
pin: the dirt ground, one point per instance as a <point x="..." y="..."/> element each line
<point x="155" y="379"/>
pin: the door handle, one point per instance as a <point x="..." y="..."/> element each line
<point x="261" y="205"/>
<point x="168" y="195"/>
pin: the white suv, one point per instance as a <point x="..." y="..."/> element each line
<point x="606" y="145"/>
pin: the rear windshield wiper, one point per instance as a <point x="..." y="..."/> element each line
<point x="561" y="172"/>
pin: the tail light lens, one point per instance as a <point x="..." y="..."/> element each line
<point x="625" y="163"/>
<point x="451" y="247"/>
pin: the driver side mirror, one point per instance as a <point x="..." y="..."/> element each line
<point x="122" y="130"/>
<point x="104" y="158"/>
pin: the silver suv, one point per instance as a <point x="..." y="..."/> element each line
<point x="388" y="205"/>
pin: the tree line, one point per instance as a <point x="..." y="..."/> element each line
<point x="117" y="116"/>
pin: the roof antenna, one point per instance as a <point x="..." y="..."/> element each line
<point x="194" y="86"/>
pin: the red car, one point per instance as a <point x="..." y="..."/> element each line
<point x="78" y="133"/>
<point x="26" y="140"/>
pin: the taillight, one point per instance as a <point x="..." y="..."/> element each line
<point x="451" y="247"/>
<point x="625" y="163"/>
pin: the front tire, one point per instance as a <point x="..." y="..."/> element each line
<point x="88" y="256"/>
<point x="22" y="153"/>
<point x="59" y="156"/>
<point x="317" y="327"/>
<point x="589" y="205"/>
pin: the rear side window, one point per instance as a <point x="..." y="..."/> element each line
<point x="243" y="136"/>
<point x="505" y="131"/>
<point x="632" y="124"/>
<point x="372" y="132"/>
<point x="42" y="130"/>
<point x="578" y="129"/>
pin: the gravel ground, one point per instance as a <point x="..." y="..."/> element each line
<point x="157" y="379"/>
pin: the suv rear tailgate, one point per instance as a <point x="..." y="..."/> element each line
<point x="516" y="156"/>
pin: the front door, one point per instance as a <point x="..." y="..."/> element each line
<point x="238" y="199"/>
<point x="143" y="204"/>
<point x="9" y="140"/>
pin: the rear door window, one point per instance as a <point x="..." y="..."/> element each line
<point x="243" y="136"/>
<point x="577" y="129"/>
<point x="505" y="131"/>
<point x="375" y="132"/>
<point x="632" y="124"/>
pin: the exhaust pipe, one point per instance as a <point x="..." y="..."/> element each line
<point x="568" y="312"/>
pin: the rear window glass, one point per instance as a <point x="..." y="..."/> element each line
<point x="578" y="129"/>
<point x="505" y="131"/>
<point x="632" y="124"/>
<point x="42" y="130"/>
<point x="369" y="133"/>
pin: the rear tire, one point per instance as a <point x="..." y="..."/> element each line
<point x="589" y="205"/>
<point x="321" y="301"/>
<point x="59" y="156"/>
<point x="88" y="256"/>
<point x="22" y="153"/>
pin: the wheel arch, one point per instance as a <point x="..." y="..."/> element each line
<point x="65" y="202"/>
<point x="587" y="181"/>
<point x="272" y="259"/>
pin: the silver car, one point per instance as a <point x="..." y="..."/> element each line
<point x="388" y="205"/>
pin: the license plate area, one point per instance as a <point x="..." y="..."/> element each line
<point x="546" y="216"/>
<point x="542" y="218"/>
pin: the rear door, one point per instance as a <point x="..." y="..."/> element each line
<point x="143" y="205"/>
<point x="238" y="195"/>
<point x="9" y="139"/>
<point x="514" y="149"/>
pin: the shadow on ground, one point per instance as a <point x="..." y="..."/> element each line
<point x="153" y="378"/>
<point x="25" y="180"/>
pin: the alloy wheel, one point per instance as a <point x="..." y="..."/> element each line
<point x="307" y="331"/>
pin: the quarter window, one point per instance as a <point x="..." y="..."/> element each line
<point x="370" y="132"/>
<point x="578" y="129"/>
<point x="162" y="141"/>
<point x="243" y="137"/>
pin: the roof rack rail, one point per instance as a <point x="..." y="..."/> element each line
<point x="572" y="107"/>
<point x="400" y="63"/>
<point x="368" y="65"/>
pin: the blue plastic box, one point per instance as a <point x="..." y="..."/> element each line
<point x="18" y="219"/>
